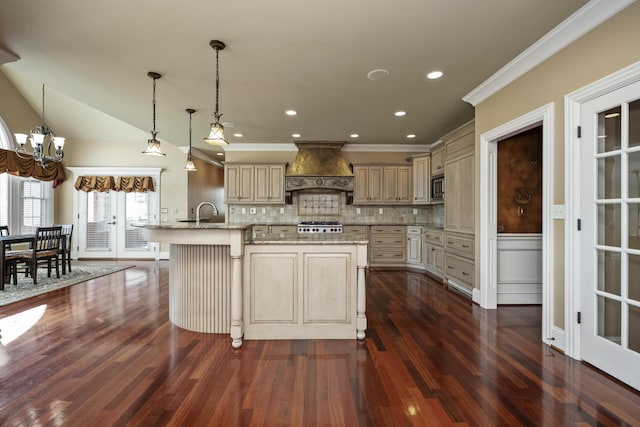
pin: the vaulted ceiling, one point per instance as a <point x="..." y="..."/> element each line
<point x="312" y="57"/>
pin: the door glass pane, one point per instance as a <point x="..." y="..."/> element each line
<point x="634" y="225"/>
<point x="634" y="275"/>
<point x="609" y="130"/>
<point x="634" y="123"/>
<point x="609" y="178"/>
<point x="609" y="323"/>
<point x="634" y="174"/>
<point x="634" y="328"/>
<point x="137" y="211"/>
<point x="609" y="272"/>
<point x="609" y="225"/>
<point x="98" y="220"/>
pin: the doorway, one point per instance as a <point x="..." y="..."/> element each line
<point x="488" y="239"/>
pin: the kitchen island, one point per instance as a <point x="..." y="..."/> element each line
<point x="223" y="281"/>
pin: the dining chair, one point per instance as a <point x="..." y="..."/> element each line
<point x="65" y="247"/>
<point x="4" y="230"/>
<point x="44" y="249"/>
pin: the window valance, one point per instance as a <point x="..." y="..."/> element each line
<point x="127" y="184"/>
<point x="12" y="164"/>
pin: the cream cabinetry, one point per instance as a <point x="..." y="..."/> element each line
<point x="397" y="185"/>
<point x="251" y="183"/>
<point x="387" y="245"/>
<point x="433" y="253"/>
<point x="414" y="245"/>
<point x="421" y="179"/>
<point x="382" y="184"/>
<point x="459" y="260"/>
<point x="360" y="232"/>
<point x="368" y="184"/>
<point x="459" y="178"/>
<point x="437" y="161"/>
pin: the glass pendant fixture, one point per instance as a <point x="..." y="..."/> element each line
<point x="216" y="133"/>
<point x="190" y="167"/>
<point x="153" y="145"/>
<point x="42" y="140"/>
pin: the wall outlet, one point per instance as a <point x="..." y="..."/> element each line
<point x="282" y="211"/>
<point x="252" y="210"/>
<point x="176" y="210"/>
<point x="243" y="211"/>
<point x="264" y="210"/>
<point x="415" y="211"/>
<point x="164" y="210"/>
<point x="381" y="211"/>
<point x="557" y="211"/>
<point x="357" y="211"/>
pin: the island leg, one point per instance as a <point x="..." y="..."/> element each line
<point x="361" y="302"/>
<point x="236" y="301"/>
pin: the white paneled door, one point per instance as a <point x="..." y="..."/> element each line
<point x="105" y="224"/>
<point x="610" y="236"/>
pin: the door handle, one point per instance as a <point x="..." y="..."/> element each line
<point x="112" y="223"/>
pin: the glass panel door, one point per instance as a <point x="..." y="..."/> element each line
<point x="610" y="240"/>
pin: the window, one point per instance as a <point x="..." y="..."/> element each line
<point x="25" y="203"/>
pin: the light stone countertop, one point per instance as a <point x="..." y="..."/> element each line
<point x="194" y="226"/>
<point x="313" y="239"/>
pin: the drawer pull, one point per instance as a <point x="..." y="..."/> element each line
<point x="449" y="267"/>
<point x="465" y="273"/>
<point x="465" y="246"/>
<point x="450" y="242"/>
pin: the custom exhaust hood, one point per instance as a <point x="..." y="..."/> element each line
<point x="319" y="165"/>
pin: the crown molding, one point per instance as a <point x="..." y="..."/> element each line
<point x="371" y="148"/>
<point x="260" y="147"/>
<point x="6" y="56"/>
<point x="202" y="156"/>
<point x="581" y="22"/>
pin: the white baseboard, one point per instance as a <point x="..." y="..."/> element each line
<point x="559" y="338"/>
<point x="163" y="255"/>
<point x="476" y="295"/>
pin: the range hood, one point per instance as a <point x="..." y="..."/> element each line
<point x="319" y="165"/>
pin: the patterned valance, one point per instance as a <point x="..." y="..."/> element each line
<point x="100" y="184"/>
<point x="127" y="184"/>
<point x="26" y="167"/>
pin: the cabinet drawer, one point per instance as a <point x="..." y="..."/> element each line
<point x="284" y="229"/>
<point x="459" y="269"/>
<point x="459" y="245"/>
<point x="388" y="255"/>
<point x="388" y="241"/>
<point x="355" y="229"/>
<point x="414" y="230"/>
<point x="260" y="230"/>
<point x="388" y="229"/>
<point x="434" y="236"/>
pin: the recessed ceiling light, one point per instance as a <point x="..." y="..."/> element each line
<point x="354" y="135"/>
<point x="291" y="112"/>
<point x="238" y="135"/>
<point x="220" y="154"/>
<point x="411" y="136"/>
<point x="435" y="75"/>
<point x="296" y="135"/>
<point x="400" y="113"/>
<point x="378" y="74"/>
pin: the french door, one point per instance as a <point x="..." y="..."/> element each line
<point x="105" y="224"/>
<point x="610" y="237"/>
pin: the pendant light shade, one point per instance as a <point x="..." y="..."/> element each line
<point x="153" y="145"/>
<point x="216" y="133"/>
<point x="190" y="167"/>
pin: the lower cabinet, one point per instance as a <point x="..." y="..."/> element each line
<point x="433" y="253"/>
<point x="414" y="246"/>
<point x="302" y="291"/>
<point x="387" y="246"/>
<point x="459" y="261"/>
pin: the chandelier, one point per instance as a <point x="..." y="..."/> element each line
<point x="42" y="140"/>
<point x="153" y="145"/>
<point x="216" y="134"/>
<point x="190" y="167"/>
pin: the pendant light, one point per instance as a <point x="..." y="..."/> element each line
<point x="153" y="145"/>
<point x="216" y="134"/>
<point x="42" y="140"/>
<point x="190" y="167"/>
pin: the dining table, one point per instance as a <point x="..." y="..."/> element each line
<point x="6" y="242"/>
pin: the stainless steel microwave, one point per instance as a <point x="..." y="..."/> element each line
<point x="437" y="188"/>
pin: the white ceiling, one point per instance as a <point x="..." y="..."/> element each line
<point x="312" y="57"/>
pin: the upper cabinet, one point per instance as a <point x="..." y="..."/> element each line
<point x="382" y="184"/>
<point x="437" y="161"/>
<point x="459" y="202"/>
<point x="421" y="179"/>
<point x="247" y="183"/>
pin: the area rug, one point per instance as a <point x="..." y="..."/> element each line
<point x="79" y="273"/>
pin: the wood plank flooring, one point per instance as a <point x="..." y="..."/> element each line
<point x="103" y="353"/>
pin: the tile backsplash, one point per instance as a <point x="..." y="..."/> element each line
<point x="332" y="207"/>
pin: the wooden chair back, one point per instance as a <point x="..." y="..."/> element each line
<point x="47" y="239"/>
<point x="4" y="230"/>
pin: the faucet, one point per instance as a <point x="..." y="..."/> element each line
<point x="215" y="210"/>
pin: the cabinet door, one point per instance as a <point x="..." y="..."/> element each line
<point x="276" y="184"/>
<point x="361" y="190"/>
<point x="262" y="187"/>
<point x="390" y="194"/>
<point x="452" y="195"/>
<point x="434" y="257"/>
<point x="375" y="184"/>
<point x="414" y="249"/>
<point x="403" y="191"/>
<point x="421" y="180"/>
<point x="238" y="183"/>
<point x="466" y="201"/>
<point x="437" y="161"/>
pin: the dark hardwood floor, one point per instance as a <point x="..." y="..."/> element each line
<point x="104" y="353"/>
